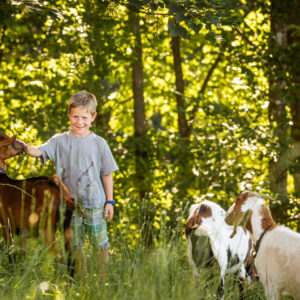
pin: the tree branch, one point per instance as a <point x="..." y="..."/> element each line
<point x="244" y="37"/>
<point x="205" y="83"/>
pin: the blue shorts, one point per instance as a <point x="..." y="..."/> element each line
<point x="92" y="224"/>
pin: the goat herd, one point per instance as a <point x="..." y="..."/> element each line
<point x="243" y="240"/>
<point x="245" y="232"/>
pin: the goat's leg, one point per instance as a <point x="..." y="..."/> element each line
<point x="221" y="290"/>
<point x="241" y="282"/>
<point x="190" y="258"/>
<point x="221" y="255"/>
<point x="241" y="287"/>
<point x="68" y="241"/>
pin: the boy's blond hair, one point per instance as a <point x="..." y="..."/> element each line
<point x="85" y="99"/>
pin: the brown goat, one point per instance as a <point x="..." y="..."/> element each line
<point x="33" y="204"/>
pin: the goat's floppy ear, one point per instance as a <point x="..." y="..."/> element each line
<point x="233" y="232"/>
<point x="8" y="141"/>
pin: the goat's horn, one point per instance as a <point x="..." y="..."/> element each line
<point x="250" y="194"/>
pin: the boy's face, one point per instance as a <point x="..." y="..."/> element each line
<point x="81" y="120"/>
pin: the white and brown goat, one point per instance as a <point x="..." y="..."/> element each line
<point x="233" y="255"/>
<point x="277" y="247"/>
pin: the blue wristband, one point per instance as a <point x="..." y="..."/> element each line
<point x="110" y="202"/>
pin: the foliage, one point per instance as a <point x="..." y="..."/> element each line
<point x="50" y="52"/>
<point x="51" y="49"/>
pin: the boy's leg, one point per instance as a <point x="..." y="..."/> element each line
<point x="97" y="231"/>
<point x="78" y="241"/>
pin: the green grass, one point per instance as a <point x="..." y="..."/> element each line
<point x="160" y="273"/>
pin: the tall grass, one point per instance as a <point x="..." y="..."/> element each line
<point x="160" y="273"/>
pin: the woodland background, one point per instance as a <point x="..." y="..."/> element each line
<point x="197" y="99"/>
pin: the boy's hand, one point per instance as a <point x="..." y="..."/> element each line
<point x="31" y="150"/>
<point x="26" y="146"/>
<point x="108" y="211"/>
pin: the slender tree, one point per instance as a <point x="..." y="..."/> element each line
<point x="138" y="97"/>
<point x="141" y="142"/>
<point x="183" y="127"/>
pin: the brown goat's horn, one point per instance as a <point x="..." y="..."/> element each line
<point x="251" y="194"/>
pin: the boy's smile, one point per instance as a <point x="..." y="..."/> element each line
<point x="81" y="120"/>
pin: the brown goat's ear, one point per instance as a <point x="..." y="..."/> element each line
<point x="8" y="141"/>
<point x="3" y="135"/>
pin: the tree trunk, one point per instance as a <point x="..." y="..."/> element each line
<point x="138" y="96"/>
<point x="181" y="119"/>
<point x="141" y="143"/>
<point x="293" y="41"/>
<point x="277" y="105"/>
<point x="184" y="158"/>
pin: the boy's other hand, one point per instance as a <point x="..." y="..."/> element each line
<point x="108" y="212"/>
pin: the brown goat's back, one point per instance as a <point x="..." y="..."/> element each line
<point x="33" y="203"/>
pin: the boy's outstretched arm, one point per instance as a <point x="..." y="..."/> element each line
<point x="108" y="187"/>
<point x="31" y="150"/>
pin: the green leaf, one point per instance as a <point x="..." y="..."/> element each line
<point x="213" y="19"/>
<point x="194" y="26"/>
<point x="173" y="8"/>
<point x="176" y="30"/>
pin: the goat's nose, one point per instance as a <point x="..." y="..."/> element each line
<point x="21" y="145"/>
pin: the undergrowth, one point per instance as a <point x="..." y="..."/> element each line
<point x="160" y="273"/>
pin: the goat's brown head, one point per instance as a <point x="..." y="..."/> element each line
<point x="197" y="212"/>
<point x="9" y="147"/>
<point x="241" y="211"/>
<point x="236" y="216"/>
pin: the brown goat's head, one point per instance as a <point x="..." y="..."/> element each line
<point x="9" y="147"/>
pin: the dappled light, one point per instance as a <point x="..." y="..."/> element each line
<point x="197" y="100"/>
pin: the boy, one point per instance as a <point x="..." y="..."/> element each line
<point x="85" y="164"/>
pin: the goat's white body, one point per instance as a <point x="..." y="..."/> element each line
<point x="278" y="257"/>
<point x="218" y="232"/>
<point x="219" y="235"/>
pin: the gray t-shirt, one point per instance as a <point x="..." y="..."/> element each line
<point x="80" y="163"/>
